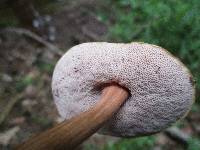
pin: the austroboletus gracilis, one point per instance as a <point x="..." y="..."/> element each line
<point x="160" y="86"/>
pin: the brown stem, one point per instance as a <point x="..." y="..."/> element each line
<point x="73" y="132"/>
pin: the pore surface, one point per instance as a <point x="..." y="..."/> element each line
<point x="160" y="86"/>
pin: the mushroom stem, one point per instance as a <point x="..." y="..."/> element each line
<point x="70" y="133"/>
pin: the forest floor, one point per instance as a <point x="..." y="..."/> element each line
<point x="26" y="65"/>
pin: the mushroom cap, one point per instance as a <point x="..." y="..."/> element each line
<point x="160" y="86"/>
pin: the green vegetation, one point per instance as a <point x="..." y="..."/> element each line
<point x="42" y="121"/>
<point x="172" y="24"/>
<point x="144" y="143"/>
<point x="24" y="82"/>
<point x="194" y="144"/>
<point x="45" y="67"/>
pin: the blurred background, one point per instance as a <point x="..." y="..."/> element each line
<point x="34" y="34"/>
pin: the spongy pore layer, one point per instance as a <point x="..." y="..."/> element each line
<point x="160" y="86"/>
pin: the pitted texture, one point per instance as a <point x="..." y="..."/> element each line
<point x="160" y="85"/>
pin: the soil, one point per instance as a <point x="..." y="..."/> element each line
<point x="23" y="59"/>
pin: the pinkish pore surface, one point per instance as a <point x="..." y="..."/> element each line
<point x="160" y="85"/>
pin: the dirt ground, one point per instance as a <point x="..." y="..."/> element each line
<point x="26" y="69"/>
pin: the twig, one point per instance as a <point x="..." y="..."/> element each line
<point x="90" y="34"/>
<point x="9" y="107"/>
<point x="35" y="37"/>
<point x="178" y="135"/>
<point x="15" y="100"/>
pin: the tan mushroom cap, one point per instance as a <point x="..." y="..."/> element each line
<point x="160" y="85"/>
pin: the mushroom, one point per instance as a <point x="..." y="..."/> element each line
<point x="124" y="90"/>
